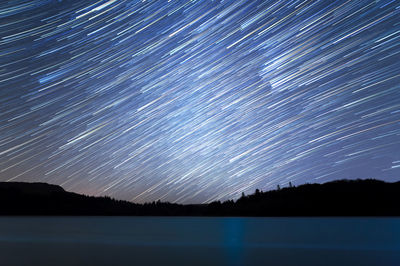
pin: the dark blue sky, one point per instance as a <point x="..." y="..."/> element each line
<point x="194" y="101"/>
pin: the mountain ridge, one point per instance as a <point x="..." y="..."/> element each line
<point x="367" y="197"/>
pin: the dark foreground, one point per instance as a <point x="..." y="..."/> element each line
<point x="338" y="198"/>
<point x="199" y="241"/>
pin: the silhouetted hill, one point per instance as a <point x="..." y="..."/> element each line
<point x="338" y="198"/>
<point x="43" y="199"/>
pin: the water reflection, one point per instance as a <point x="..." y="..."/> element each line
<point x="199" y="241"/>
<point x="233" y="240"/>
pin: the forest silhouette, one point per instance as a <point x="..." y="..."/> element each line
<point x="367" y="197"/>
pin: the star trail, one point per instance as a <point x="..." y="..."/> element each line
<point x="195" y="101"/>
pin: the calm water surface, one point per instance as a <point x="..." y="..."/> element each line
<point x="199" y="241"/>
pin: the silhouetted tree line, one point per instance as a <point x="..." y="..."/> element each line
<point x="338" y="198"/>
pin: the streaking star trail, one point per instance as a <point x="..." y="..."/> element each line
<point x="195" y="101"/>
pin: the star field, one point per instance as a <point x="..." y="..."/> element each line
<point x="195" y="101"/>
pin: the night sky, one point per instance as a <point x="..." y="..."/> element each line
<point x="195" y="101"/>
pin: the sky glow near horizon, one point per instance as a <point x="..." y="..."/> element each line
<point x="195" y="101"/>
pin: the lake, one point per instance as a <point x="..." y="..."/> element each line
<point x="199" y="241"/>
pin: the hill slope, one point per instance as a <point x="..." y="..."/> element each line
<point x="337" y="198"/>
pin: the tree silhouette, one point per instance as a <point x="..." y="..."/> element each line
<point x="304" y="200"/>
